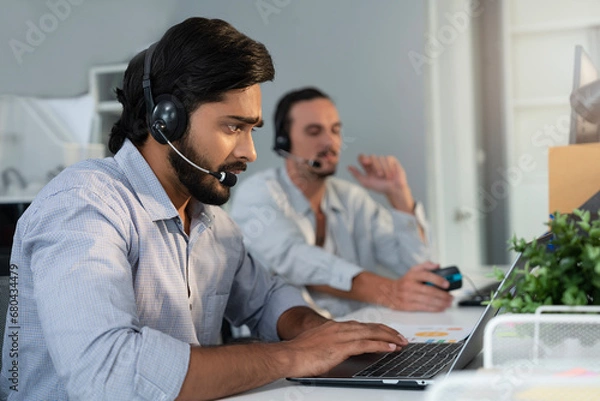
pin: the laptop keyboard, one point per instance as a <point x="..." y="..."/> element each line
<point x="423" y="360"/>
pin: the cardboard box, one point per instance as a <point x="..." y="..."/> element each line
<point x="574" y="175"/>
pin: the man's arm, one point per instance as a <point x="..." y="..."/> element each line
<point x="315" y="346"/>
<point x="84" y="298"/>
<point x="409" y="293"/>
<point x="398" y="235"/>
<point x="220" y="371"/>
<point x="297" y="320"/>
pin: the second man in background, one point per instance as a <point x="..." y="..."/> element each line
<point x="328" y="235"/>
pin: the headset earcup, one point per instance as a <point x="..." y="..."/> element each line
<point x="282" y="142"/>
<point x="170" y="111"/>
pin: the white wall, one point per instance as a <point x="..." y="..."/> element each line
<point x="355" y="50"/>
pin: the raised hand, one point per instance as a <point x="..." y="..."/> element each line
<point x="385" y="175"/>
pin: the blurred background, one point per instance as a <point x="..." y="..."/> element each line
<point x="468" y="95"/>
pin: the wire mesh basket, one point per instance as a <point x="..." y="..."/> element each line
<point x="554" y="339"/>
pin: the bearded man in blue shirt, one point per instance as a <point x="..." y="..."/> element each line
<point x="127" y="266"/>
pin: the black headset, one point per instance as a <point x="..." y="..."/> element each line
<point x="167" y="119"/>
<point x="282" y="136"/>
<point x="282" y="110"/>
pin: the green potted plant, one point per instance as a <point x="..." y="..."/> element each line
<point x="564" y="271"/>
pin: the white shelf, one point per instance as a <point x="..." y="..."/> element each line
<point x="109" y="107"/>
<point x="554" y="27"/>
<point x="108" y="69"/>
<point x="103" y="81"/>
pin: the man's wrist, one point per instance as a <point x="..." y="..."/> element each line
<point x="296" y="320"/>
<point x="402" y="200"/>
<point x="371" y="288"/>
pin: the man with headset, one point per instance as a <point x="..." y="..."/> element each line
<point x="126" y="269"/>
<point x="329" y="235"/>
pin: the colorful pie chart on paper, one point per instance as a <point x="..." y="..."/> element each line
<point x="431" y="334"/>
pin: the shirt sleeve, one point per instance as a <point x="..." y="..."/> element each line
<point x="261" y="298"/>
<point x="275" y="240"/>
<point x="395" y="235"/>
<point x="84" y="294"/>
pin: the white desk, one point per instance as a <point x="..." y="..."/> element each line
<point x="283" y="390"/>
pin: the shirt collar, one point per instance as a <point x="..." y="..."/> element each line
<point x="331" y="200"/>
<point x="295" y="196"/>
<point x="148" y="189"/>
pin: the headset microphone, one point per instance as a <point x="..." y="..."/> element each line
<point x="311" y="162"/>
<point x="226" y="178"/>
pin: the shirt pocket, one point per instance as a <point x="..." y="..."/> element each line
<point x="212" y="320"/>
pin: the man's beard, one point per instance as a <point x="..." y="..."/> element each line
<point x="311" y="174"/>
<point x="203" y="187"/>
<point x="325" y="173"/>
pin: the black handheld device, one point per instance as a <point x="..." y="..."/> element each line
<point x="452" y="274"/>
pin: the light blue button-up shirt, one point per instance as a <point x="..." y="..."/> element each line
<point x="111" y="291"/>
<point x="279" y="228"/>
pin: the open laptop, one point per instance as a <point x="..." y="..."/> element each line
<point x="382" y="370"/>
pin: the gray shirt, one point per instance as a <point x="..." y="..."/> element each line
<point x="111" y="291"/>
<point x="279" y="231"/>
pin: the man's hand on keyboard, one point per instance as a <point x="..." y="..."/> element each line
<point x="317" y="350"/>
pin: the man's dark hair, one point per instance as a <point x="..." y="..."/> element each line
<point x="197" y="61"/>
<point x="281" y="118"/>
